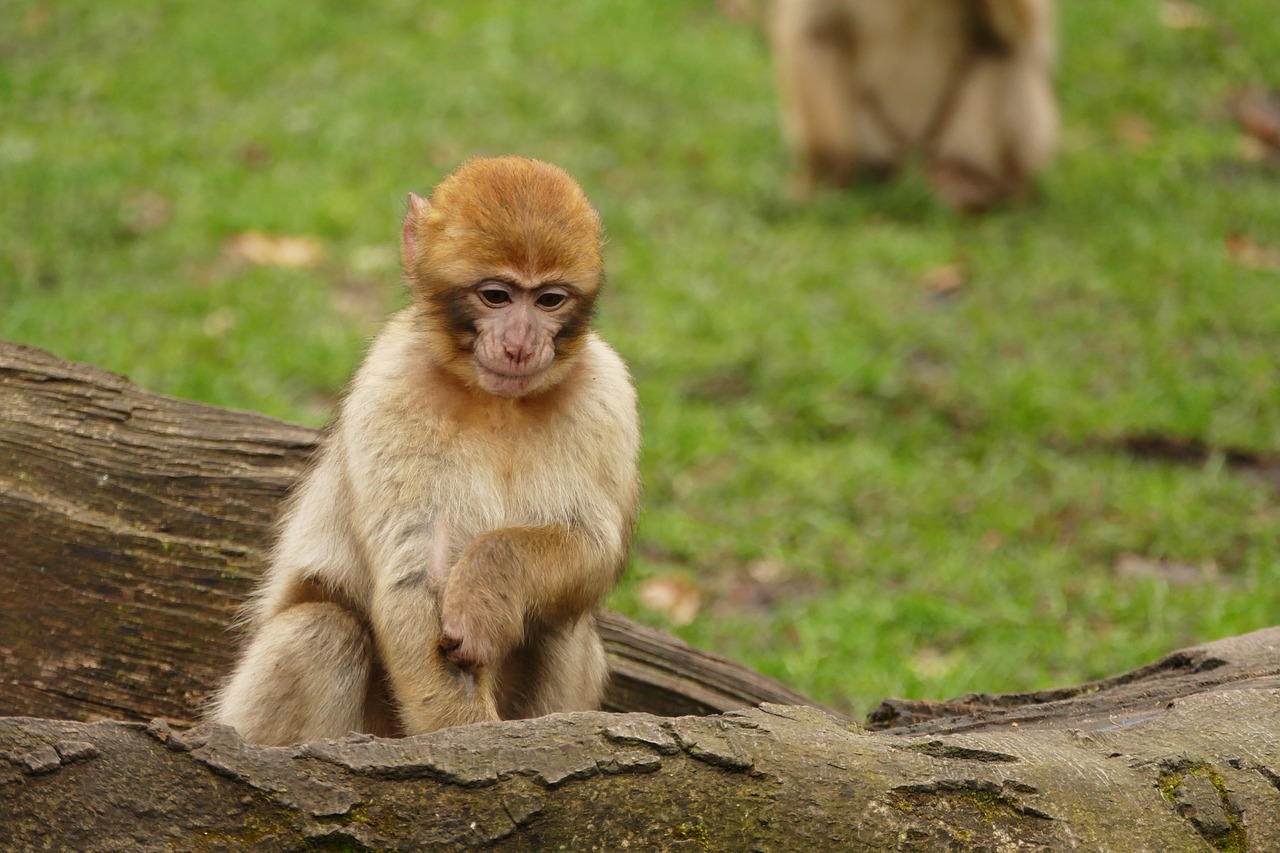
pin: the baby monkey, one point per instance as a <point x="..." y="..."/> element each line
<point x="965" y="83"/>
<point x="442" y="560"/>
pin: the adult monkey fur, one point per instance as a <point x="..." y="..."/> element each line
<point x="967" y="83"/>
<point x="442" y="560"/>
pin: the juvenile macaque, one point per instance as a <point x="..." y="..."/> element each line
<point x="964" y="84"/>
<point x="474" y="501"/>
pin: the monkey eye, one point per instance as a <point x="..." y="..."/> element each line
<point x="551" y="300"/>
<point x="494" y="297"/>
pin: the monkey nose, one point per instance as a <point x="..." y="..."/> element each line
<point x="518" y="351"/>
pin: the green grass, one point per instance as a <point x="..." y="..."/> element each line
<point x="877" y="491"/>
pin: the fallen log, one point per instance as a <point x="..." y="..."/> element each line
<point x="132" y="526"/>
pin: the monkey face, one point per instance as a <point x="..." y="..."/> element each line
<point x="516" y="331"/>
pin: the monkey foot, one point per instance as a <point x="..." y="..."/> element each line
<point x="968" y="188"/>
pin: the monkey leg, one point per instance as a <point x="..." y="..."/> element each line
<point x="1000" y="131"/>
<point x="305" y="675"/>
<point x="828" y="123"/>
<point x="428" y="691"/>
<point x="557" y="669"/>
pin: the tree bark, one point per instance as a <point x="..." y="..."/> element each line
<point x="132" y="526"/>
<point x="1200" y="774"/>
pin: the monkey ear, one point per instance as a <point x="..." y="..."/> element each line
<point x="409" y="240"/>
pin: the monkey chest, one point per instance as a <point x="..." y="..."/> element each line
<point x="477" y="492"/>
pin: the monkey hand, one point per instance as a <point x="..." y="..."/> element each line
<point x="478" y="627"/>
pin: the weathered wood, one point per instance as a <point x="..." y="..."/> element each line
<point x="1249" y="661"/>
<point x="774" y="778"/>
<point x="133" y="528"/>
<point x="132" y="525"/>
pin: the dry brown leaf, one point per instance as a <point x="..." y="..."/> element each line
<point x="743" y="11"/>
<point x="1247" y="252"/>
<point x="674" y="597"/>
<point x="766" y="570"/>
<point x="254" y="155"/>
<point x="1258" y="114"/>
<point x="1178" y="574"/>
<point x="945" y="280"/>
<point x="143" y="211"/>
<point x="36" y="21"/>
<point x="219" y="322"/>
<point x="1134" y="131"/>
<point x="1180" y="15"/>
<point x="274" y="250"/>
<point x="1254" y="150"/>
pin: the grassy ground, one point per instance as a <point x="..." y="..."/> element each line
<point x="860" y="486"/>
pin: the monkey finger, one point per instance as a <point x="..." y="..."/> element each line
<point x="465" y="659"/>
<point x="459" y="658"/>
<point x="463" y="654"/>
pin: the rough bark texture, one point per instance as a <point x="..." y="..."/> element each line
<point x="773" y="778"/>
<point x="131" y="527"/>
<point x="1249" y="662"/>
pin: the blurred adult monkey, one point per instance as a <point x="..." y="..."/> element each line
<point x="442" y="560"/>
<point x="967" y="83"/>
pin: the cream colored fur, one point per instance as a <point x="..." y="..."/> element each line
<point x="410" y="483"/>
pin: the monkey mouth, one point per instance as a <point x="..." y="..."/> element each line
<point x="506" y="383"/>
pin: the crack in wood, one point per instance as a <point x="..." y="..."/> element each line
<point x="271" y="770"/>
<point x="938" y="749"/>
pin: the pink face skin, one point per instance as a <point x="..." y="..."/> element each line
<point x="516" y="328"/>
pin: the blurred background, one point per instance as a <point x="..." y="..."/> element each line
<point x="889" y="449"/>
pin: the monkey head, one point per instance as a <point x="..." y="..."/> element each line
<point x="504" y="261"/>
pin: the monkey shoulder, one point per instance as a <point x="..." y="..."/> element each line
<point x="604" y="412"/>
<point x="387" y="367"/>
<point x="392" y="399"/>
<point x="608" y="424"/>
<point x="606" y="381"/>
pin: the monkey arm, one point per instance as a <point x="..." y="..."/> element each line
<point x="1008" y="21"/>
<point x="1020" y="26"/>
<point x="558" y="571"/>
<point x="515" y="577"/>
